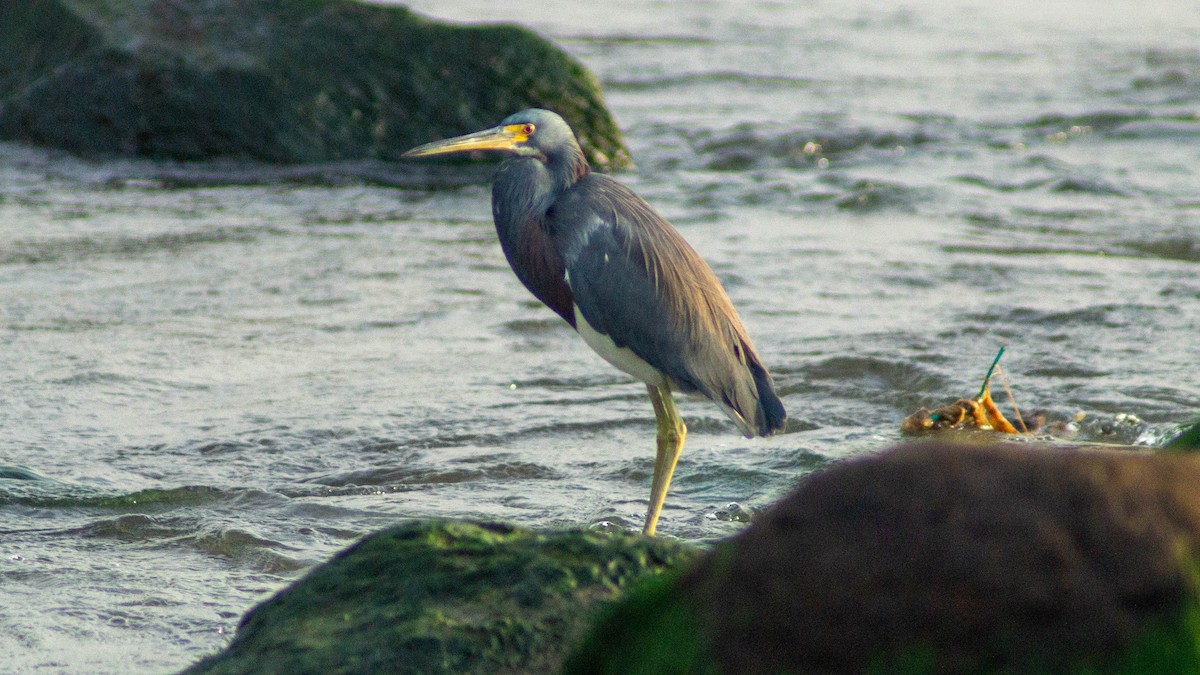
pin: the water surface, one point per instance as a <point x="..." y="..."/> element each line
<point x="215" y="376"/>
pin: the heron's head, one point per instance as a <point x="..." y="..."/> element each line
<point x="531" y="133"/>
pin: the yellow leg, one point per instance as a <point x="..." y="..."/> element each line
<point x="671" y="432"/>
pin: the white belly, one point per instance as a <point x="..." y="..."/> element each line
<point x="621" y="357"/>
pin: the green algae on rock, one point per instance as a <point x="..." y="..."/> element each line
<point x="1186" y="438"/>
<point x="275" y="80"/>
<point x="938" y="557"/>
<point x="434" y="597"/>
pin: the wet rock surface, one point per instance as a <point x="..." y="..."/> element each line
<point x="444" y="596"/>
<point x="293" y="81"/>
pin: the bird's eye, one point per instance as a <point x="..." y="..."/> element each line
<point x="528" y="129"/>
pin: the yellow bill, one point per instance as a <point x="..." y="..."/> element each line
<point x="497" y="138"/>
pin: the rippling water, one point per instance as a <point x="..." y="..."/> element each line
<point x="208" y="384"/>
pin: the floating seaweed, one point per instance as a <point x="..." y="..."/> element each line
<point x="980" y="412"/>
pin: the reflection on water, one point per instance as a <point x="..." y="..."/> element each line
<point x="215" y="375"/>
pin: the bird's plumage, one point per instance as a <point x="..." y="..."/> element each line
<point x="619" y="273"/>
<point x="581" y="239"/>
<point x="522" y="193"/>
<point x="636" y="280"/>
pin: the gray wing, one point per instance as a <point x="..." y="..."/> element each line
<point x="636" y="280"/>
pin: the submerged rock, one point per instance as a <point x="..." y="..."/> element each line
<point x="937" y="557"/>
<point x="443" y="597"/>
<point x="275" y="80"/>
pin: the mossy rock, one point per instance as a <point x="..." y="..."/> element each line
<point x="1186" y="438"/>
<point x="938" y="557"/>
<point x="444" y="597"/>
<point x="275" y="80"/>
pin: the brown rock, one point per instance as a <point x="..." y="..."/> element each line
<point x="994" y="556"/>
<point x="938" y="557"/>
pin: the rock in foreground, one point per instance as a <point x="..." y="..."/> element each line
<point x="274" y="80"/>
<point x="443" y="597"/>
<point x="938" y="557"/>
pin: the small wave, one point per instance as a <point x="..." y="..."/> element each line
<point x="896" y="383"/>
<point x="1070" y="183"/>
<point x="45" y="493"/>
<point x="246" y="548"/>
<point x="534" y="326"/>
<point x="471" y="470"/>
<point x="136" y="527"/>
<point x="1100" y="121"/>
<point x="1105" y="316"/>
<point x="49" y="493"/>
<point x="603" y="379"/>
<point x="411" y="175"/>
<point x="773" y="82"/>
<point x="187" y="532"/>
<point x="1172" y="248"/>
<point x="1094" y="186"/>
<point x="999" y="185"/>
<point x="748" y="146"/>
<point x="39" y="252"/>
<point x="189" y="495"/>
<point x="1182" y="128"/>
<point x="1018" y="250"/>
<point x="799" y="460"/>
<point x="1121" y="124"/>
<point x="675" y="40"/>
<point x="8" y="472"/>
<point x="875" y="195"/>
<point x="219" y="447"/>
<point x="1063" y="369"/>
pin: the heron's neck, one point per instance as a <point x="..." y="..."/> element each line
<point x="525" y="187"/>
<point x="523" y="192"/>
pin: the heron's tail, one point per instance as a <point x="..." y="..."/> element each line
<point x="770" y="415"/>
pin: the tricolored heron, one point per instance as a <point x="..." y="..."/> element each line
<point x="624" y="278"/>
